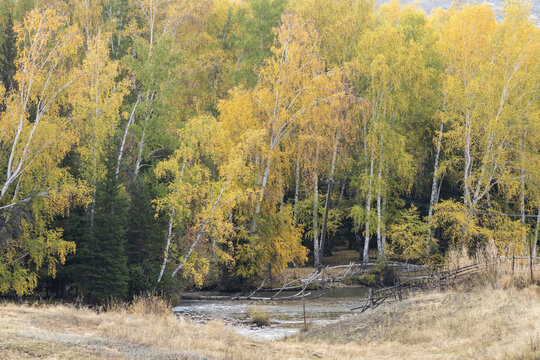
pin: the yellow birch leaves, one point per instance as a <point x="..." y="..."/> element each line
<point x="36" y="136"/>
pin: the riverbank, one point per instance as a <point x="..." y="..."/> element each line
<point x="284" y="317"/>
<point x="481" y="323"/>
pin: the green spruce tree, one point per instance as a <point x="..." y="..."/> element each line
<point x="99" y="269"/>
<point x="145" y="236"/>
<point x="7" y="54"/>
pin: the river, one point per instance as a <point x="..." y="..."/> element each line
<point x="286" y="317"/>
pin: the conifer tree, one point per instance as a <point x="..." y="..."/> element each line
<point x="8" y="54"/>
<point x="100" y="266"/>
<point x="145" y="235"/>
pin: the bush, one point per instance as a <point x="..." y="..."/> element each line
<point x="366" y="279"/>
<point x="381" y="266"/>
<point x="259" y="317"/>
<point x="386" y="274"/>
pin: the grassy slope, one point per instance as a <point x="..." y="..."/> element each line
<point x="480" y="324"/>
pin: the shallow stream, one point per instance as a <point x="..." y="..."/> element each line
<point x="286" y="317"/>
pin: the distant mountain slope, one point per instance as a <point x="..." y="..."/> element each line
<point x="429" y="5"/>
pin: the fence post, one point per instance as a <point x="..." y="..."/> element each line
<point x="304" y="305"/>
<point x="513" y="259"/>
<point x="371" y="298"/>
<point x="439" y="278"/>
<point x="530" y="260"/>
<point x="399" y="287"/>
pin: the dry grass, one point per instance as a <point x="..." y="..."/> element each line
<point x="496" y="316"/>
<point x="145" y="303"/>
<point x="493" y="315"/>
<point x="344" y="256"/>
<point x="61" y="331"/>
<point x="150" y="304"/>
<point x="496" y="271"/>
<point x="259" y="317"/>
<point x="483" y="324"/>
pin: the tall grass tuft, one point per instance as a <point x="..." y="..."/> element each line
<point x="499" y="270"/>
<point x="259" y="317"/>
<point x="149" y="303"/>
<point x="144" y="304"/>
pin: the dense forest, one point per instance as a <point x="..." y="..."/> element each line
<point x="158" y="144"/>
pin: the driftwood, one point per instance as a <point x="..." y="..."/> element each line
<point x="240" y="298"/>
<point x="415" y="278"/>
<point x="325" y="275"/>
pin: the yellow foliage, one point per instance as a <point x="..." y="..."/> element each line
<point x="36" y="137"/>
<point x="96" y="101"/>
<point x="479" y="228"/>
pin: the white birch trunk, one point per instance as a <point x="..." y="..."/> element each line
<point x="522" y="195"/>
<point x="434" y="187"/>
<point x="14" y="171"/>
<point x="200" y="233"/>
<point x="296" y="190"/>
<point x="123" y="144"/>
<point x="148" y="114"/>
<point x="328" y="194"/>
<point x="167" y="245"/>
<point x="316" y="252"/>
<point x="383" y="240"/>
<point x="365" y="257"/>
<point x="379" y="210"/>
<point x="169" y="234"/>
<point x="535" y="244"/>
<point x="467" y="165"/>
<point x="93" y="207"/>
<point x="258" y="206"/>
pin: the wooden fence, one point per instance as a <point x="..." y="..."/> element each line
<point x="431" y="278"/>
<point x="412" y="281"/>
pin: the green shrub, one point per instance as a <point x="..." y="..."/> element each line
<point x="368" y="279"/>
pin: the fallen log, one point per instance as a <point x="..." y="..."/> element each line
<point x="239" y="298"/>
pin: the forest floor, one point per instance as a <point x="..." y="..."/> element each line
<point x="482" y="322"/>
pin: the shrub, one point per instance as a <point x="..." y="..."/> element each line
<point x="367" y="279"/>
<point x="259" y="317"/>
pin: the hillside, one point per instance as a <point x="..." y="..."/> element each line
<point x="429" y="5"/>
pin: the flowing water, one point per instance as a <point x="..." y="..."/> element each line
<point x="286" y="316"/>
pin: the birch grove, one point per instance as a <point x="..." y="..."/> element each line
<point x="153" y="145"/>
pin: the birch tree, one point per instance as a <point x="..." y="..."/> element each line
<point x="387" y="65"/>
<point x="97" y="100"/>
<point x="486" y="91"/>
<point x="35" y="136"/>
